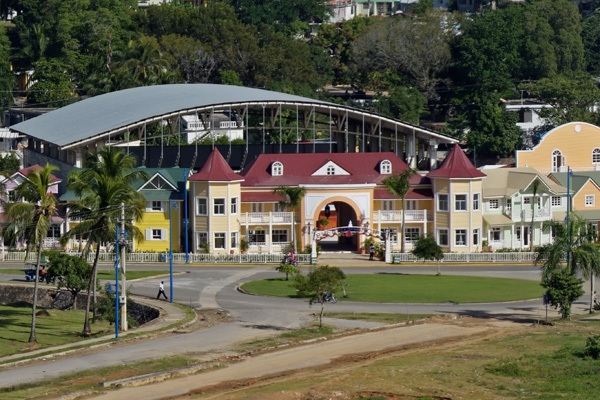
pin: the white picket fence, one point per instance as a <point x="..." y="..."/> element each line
<point x="516" y="257"/>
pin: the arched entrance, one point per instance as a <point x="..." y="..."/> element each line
<point x="338" y="218"/>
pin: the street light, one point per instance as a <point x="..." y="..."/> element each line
<point x="173" y="205"/>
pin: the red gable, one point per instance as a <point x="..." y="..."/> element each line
<point x="37" y="167"/>
<point x="216" y="169"/>
<point x="456" y="165"/>
<point x="298" y="169"/>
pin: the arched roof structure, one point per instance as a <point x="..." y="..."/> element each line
<point x="112" y="114"/>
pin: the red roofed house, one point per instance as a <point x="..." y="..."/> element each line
<point x="458" y="220"/>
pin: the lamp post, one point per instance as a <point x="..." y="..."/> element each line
<point x="185" y="225"/>
<point x="117" y="285"/>
<point x="569" y="173"/>
<point x="171" y="205"/>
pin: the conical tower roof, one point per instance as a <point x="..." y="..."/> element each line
<point x="456" y="165"/>
<point x="216" y="169"/>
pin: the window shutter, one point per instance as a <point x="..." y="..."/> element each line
<point x="148" y="234"/>
<point x="163" y="234"/>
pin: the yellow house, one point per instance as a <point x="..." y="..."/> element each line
<point x="575" y="144"/>
<point x="458" y="220"/>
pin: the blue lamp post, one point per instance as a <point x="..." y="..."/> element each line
<point x="117" y="286"/>
<point x="185" y="208"/>
<point x="172" y="205"/>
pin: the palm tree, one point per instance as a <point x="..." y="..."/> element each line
<point x="535" y="186"/>
<point x="102" y="187"/>
<point x="398" y="185"/>
<point x="575" y="243"/>
<point x="30" y="218"/>
<point x="292" y="198"/>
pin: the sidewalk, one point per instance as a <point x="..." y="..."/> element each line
<point x="169" y="314"/>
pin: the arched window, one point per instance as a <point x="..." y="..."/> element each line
<point x="596" y="156"/>
<point x="277" y="168"/>
<point x="385" y="167"/>
<point x="557" y="161"/>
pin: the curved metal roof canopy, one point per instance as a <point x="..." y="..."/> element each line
<point x="117" y="112"/>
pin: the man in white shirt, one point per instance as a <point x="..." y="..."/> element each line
<point x="161" y="290"/>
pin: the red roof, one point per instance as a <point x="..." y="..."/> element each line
<point x="412" y="194"/>
<point x="456" y="165"/>
<point x="216" y="169"/>
<point x="37" y="167"/>
<point x="260" y="197"/>
<point x="298" y="169"/>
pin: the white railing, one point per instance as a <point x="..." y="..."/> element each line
<point x="540" y="214"/>
<point x="396" y="216"/>
<point x="527" y="257"/>
<point x="265" y="218"/>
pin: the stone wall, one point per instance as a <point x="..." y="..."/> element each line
<point x="51" y="297"/>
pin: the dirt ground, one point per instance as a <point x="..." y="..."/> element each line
<point x="334" y="356"/>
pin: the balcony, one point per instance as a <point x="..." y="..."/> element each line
<point x="541" y="214"/>
<point x="396" y="216"/>
<point x="266" y="218"/>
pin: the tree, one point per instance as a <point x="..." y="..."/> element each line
<point x="71" y="272"/>
<point x="398" y="185"/>
<point x="575" y="243"/>
<point x="404" y="103"/>
<point x="563" y="289"/>
<point x="30" y="218"/>
<point x="427" y="248"/>
<point x="52" y="87"/>
<point x="103" y="185"/>
<point x="10" y="163"/>
<point x="318" y="280"/>
<point x="7" y="79"/>
<point x="287" y="269"/>
<point x="292" y="198"/>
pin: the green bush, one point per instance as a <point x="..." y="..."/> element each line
<point x="592" y="347"/>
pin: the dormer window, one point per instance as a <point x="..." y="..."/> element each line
<point x="385" y="167"/>
<point x="331" y="170"/>
<point x="277" y="168"/>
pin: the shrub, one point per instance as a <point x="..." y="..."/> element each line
<point x="592" y="347"/>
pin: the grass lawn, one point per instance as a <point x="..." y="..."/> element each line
<point x="399" y="288"/>
<point x="540" y="363"/>
<point x="60" y="327"/>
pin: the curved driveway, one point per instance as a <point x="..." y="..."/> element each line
<point x="256" y="317"/>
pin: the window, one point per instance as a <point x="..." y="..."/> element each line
<point x="277" y="168"/>
<point x="201" y="206"/>
<point x="475" y="237"/>
<point x="494" y="204"/>
<point x="443" y="237"/>
<point x="201" y="239"/>
<point x="278" y="207"/>
<point x="386" y="167"/>
<point x="393" y="235"/>
<point x="219" y="206"/>
<point x="53" y="231"/>
<point x="234" y="205"/>
<point x="411" y="204"/>
<point x="387" y="205"/>
<point x="442" y="202"/>
<point x="496" y="234"/>
<point x="156" y="206"/>
<point x="219" y="240"/>
<point x="460" y="237"/>
<point x="257" y="207"/>
<point x="234" y="240"/>
<point x="476" y="197"/>
<point x="526" y="200"/>
<point x="589" y="200"/>
<point x="556" y="201"/>
<point x="557" y="161"/>
<point x="256" y="237"/>
<point x="460" y="202"/>
<point x="156" y="234"/>
<point x="280" y="236"/>
<point x="12" y="196"/>
<point x="330" y="170"/>
<point x="596" y="156"/>
<point x="518" y="233"/>
<point x="411" y="235"/>
<point x="508" y="206"/>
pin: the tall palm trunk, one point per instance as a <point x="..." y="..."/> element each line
<point x="35" y="293"/>
<point x="92" y="282"/>
<point x="402" y="243"/>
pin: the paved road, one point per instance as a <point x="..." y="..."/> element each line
<point x="255" y="316"/>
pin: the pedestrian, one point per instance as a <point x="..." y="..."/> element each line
<point x="161" y="290"/>
<point x="371" y="251"/>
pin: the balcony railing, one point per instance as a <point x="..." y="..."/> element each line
<point x="540" y="214"/>
<point x="396" y="216"/>
<point x="265" y="218"/>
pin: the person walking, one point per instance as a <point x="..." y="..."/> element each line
<point x="161" y="290"/>
<point x="371" y="251"/>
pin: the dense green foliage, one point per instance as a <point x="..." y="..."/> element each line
<point x="439" y="66"/>
<point x="70" y="272"/>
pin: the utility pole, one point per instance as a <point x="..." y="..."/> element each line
<point x="123" y="298"/>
